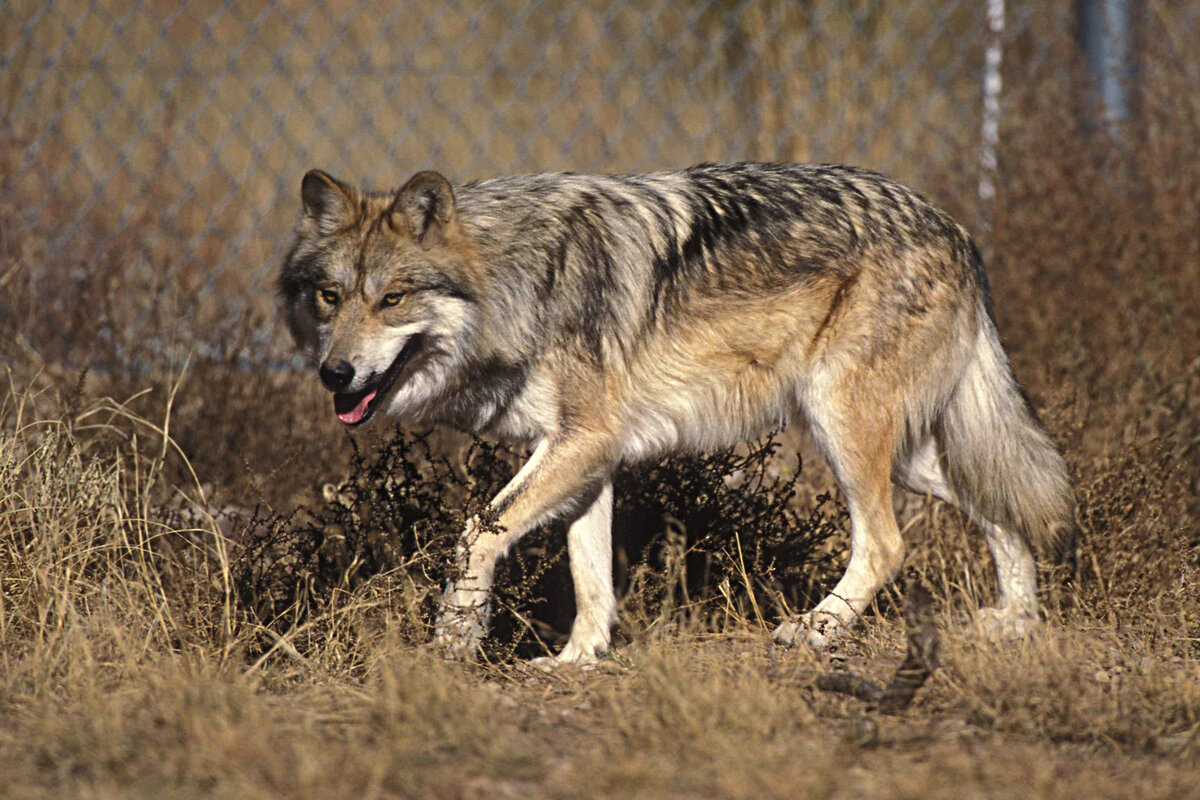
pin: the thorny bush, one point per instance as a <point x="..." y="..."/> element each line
<point x="692" y="535"/>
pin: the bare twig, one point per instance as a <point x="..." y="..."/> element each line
<point x="919" y="663"/>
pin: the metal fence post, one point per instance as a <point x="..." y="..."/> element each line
<point x="1105" y="35"/>
<point x="990" y="130"/>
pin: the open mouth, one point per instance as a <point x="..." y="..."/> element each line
<point x="355" y="408"/>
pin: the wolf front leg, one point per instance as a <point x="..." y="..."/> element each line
<point x="563" y="477"/>
<point x="589" y="545"/>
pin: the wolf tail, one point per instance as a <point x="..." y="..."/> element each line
<point x="999" y="458"/>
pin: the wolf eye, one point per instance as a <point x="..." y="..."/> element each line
<point x="391" y="299"/>
<point x="328" y="296"/>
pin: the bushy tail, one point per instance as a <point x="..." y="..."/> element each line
<point x="1001" y="461"/>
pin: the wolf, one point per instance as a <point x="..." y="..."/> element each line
<point x="606" y="319"/>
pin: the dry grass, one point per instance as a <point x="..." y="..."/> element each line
<point x="142" y="652"/>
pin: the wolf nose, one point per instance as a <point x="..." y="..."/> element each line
<point x="338" y="376"/>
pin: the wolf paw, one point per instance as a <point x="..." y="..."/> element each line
<point x="1006" y="624"/>
<point x="582" y="654"/>
<point x="456" y="645"/>
<point x="459" y="634"/>
<point x="556" y="663"/>
<point x="814" y="629"/>
<point x="462" y="622"/>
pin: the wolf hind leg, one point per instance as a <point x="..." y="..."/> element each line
<point x="1015" y="614"/>
<point x="858" y="440"/>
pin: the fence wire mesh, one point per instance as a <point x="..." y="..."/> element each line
<point x="175" y="134"/>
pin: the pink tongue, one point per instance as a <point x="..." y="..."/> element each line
<point x="355" y="414"/>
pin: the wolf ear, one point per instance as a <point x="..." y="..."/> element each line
<point x="424" y="208"/>
<point x="327" y="201"/>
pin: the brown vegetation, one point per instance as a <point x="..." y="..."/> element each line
<point x="155" y="642"/>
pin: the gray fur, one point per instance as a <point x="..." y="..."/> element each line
<point x="1001" y="460"/>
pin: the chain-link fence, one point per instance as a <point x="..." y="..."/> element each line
<point x="178" y="132"/>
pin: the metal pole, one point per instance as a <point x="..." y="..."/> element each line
<point x="1104" y="35"/>
<point x="990" y="133"/>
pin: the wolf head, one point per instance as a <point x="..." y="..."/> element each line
<point x="379" y="291"/>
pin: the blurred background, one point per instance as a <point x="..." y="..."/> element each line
<point x="170" y="138"/>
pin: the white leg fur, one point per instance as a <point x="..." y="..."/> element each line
<point x="463" y="617"/>
<point x="876" y="553"/>
<point x="589" y="546"/>
<point x="1016" y="611"/>
<point x="464" y="614"/>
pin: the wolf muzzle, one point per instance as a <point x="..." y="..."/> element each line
<point x="338" y="376"/>
<point x="355" y="408"/>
